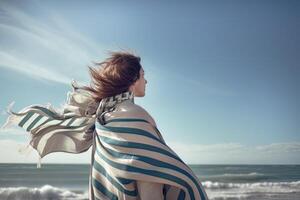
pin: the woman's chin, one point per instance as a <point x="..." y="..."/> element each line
<point x="139" y="94"/>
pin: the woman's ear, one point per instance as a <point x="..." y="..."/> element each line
<point x="131" y="87"/>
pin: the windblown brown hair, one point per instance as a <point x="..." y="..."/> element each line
<point x="114" y="75"/>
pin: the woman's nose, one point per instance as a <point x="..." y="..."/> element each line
<point x="146" y="81"/>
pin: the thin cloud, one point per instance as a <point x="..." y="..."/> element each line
<point x="31" y="69"/>
<point x="199" y="148"/>
<point x="236" y="153"/>
<point x="61" y="48"/>
<point x="20" y="152"/>
<point x="222" y="153"/>
<point x="48" y="34"/>
<point x="280" y="147"/>
<point x="287" y="147"/>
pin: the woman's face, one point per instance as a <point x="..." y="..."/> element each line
<point x="138" y="87"/>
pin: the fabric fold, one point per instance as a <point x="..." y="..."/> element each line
<point x="126" y="145"/>
<point x="67" y="129"/>
<point x="129" y="147"/>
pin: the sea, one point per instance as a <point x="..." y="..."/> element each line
<point x="70" y="181"/>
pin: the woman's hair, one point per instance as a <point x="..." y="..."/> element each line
<point x="114" y="75"/>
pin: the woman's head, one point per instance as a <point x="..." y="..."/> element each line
<point x="120" y="72"/>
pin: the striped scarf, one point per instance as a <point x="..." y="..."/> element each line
<point x="69" y="129"/>
<point x="127" y="147"/>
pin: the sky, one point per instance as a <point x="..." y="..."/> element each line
<point x="223" y="76"/>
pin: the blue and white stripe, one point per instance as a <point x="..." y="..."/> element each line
<point x="130" y="149"/>
<point x="127" y="146"/>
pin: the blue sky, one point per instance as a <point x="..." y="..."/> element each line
<point x="223" y="77"/>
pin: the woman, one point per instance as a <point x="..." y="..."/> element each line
<point x="130" y="159"/>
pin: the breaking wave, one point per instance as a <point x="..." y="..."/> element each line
<point x="46" y="192"/>
<point x="258" y="186"/>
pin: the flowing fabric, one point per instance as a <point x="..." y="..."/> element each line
<point x="130" y="148"/>
<point x="68" y="129"/>
<point x="126" y="145"/>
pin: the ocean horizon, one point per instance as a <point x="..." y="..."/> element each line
<point x="221" y="181"/>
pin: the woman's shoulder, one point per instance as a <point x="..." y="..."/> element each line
<point x="144" y="113"/>
<point x="131" y="110"/>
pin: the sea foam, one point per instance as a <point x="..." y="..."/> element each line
<point x="256" y="187"/>
<point x="43" y="193"/>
